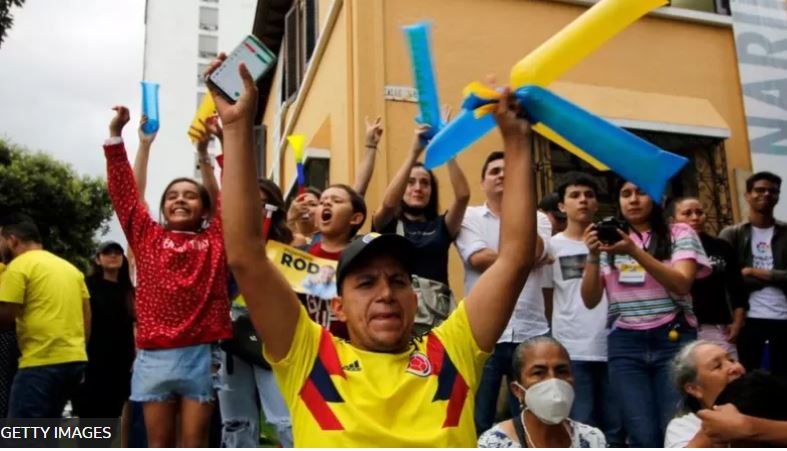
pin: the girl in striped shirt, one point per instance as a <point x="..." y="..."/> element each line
<point x="647" y="275"/>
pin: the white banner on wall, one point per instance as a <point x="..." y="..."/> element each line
<point x="760" y="28"/>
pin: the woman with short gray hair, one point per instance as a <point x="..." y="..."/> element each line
<point x="700" y="371"/>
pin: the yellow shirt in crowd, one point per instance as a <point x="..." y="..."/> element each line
<point x="341" y="396"/>
<point x="50" y="327"/>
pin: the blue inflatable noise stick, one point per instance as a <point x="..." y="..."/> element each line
<point x="423" y="73"/>
<point x="631" y="157"/>
<point x="459" y="134"/>
<point x="150" y="106"/>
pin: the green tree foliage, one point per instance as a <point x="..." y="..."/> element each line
<point x="68" y="208"/>
<point x="6" y="18"/>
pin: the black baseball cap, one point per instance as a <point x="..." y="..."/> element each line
<point x="106" y="245"/>
<point x="373" y="244"/>
<point x="549" y="204"/>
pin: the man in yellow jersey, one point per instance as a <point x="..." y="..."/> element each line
<point x="383" y="387"/>
<point x="9" y="354"/>
<point x="46" y="297"/>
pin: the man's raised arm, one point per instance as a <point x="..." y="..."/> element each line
<point x="272" y="304"/>
<point x="490" y="304"/>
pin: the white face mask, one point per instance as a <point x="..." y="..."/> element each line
<point x="549" y="400"/>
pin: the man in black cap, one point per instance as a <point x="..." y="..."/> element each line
<point x="383" y="387"/>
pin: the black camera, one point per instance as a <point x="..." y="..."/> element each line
<point x="608" y="228"/>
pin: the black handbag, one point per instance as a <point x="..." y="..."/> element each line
<point x="245" y="344"/>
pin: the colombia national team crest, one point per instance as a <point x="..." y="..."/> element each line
<point x="419" y="364"/>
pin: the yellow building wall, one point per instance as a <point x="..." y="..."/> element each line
<point x="322" y="113"/>
<point x="472" y="39"/>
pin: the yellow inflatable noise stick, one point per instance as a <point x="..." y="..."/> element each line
<point x="579" y="39"/>
<point x="297" y="142"/>
<point x="205" y="110"/>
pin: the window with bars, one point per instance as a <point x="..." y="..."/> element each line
<point x="704" y="177"/>
<point x="208" y="18"/>
<point x="208" y="46"/>
<point x="300" y="39"/>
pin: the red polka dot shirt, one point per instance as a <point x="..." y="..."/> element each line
<point x="181" y="297"/>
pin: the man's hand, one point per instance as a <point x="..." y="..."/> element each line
<point x="241" y="112"/>
<point x="421" y="140"/>
<point x="762" y="274"/>
<point x="118" y="121"/>
<point x="733" y="331"/>
<point x="299" y="209"/>
<point x="145" y="138"/>
<point x="624" y="247"/>
<point x="508" y="115"/>
<point x="545" y="260"/>
<point x="724" y="423"/>
<point x="374" y="131"/>
<point x="591" y="240"/>
<point x="213" y="127"/>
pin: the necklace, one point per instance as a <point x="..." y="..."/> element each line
<point x="530" y="443"/>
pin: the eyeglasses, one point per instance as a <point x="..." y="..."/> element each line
<point x="763" y="190"/>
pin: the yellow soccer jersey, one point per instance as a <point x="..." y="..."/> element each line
<point x="51" y="291"/>
<point x="340" y="396"/>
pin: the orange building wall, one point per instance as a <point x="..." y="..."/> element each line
<point x="472" y="39"/>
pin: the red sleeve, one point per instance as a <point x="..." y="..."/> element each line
<point x="215" y="221"/>
<point x="131" y="211"/>
<point x="220" y="162"/>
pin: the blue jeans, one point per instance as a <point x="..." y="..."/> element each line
<point x="498" y="365"/>
<point x="595" y="402"/>
<point x="240" y="413"/>
<point x="164" y="374"/>
<point x="640" y="373"/>
<point x="42" y="391"/>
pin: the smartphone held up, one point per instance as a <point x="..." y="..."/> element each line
<point x="251" y="52"/>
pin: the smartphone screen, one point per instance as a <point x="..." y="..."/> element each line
<point x="257" y="58"/>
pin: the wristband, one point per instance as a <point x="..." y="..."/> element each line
<point x="371" y="147"/>
<point x="592" y="260"/>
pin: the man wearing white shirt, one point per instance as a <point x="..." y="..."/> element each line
<point x="760" y="244"/>
<point x="478" y="243"/>
<point x="581" y="330"/>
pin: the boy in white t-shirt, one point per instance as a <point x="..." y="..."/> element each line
<point x="581" y="330"/>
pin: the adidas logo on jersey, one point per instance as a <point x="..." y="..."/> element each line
<point x="353" y="366"/>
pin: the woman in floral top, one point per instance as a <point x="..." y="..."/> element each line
<point x="545" y="389"/>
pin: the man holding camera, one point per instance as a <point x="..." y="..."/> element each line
<point x="581" y="330"/>
<point x="761" y="247"/>
<point x="478" y="244"/>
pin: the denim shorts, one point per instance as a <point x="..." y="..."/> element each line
<point x="164" y="374"/>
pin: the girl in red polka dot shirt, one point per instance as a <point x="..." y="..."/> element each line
<point x="182" y="302"/>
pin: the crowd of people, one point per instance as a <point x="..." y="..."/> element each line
<point x="641" y="330"/>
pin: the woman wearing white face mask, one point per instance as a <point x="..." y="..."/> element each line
<point x="545" y="388"/>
